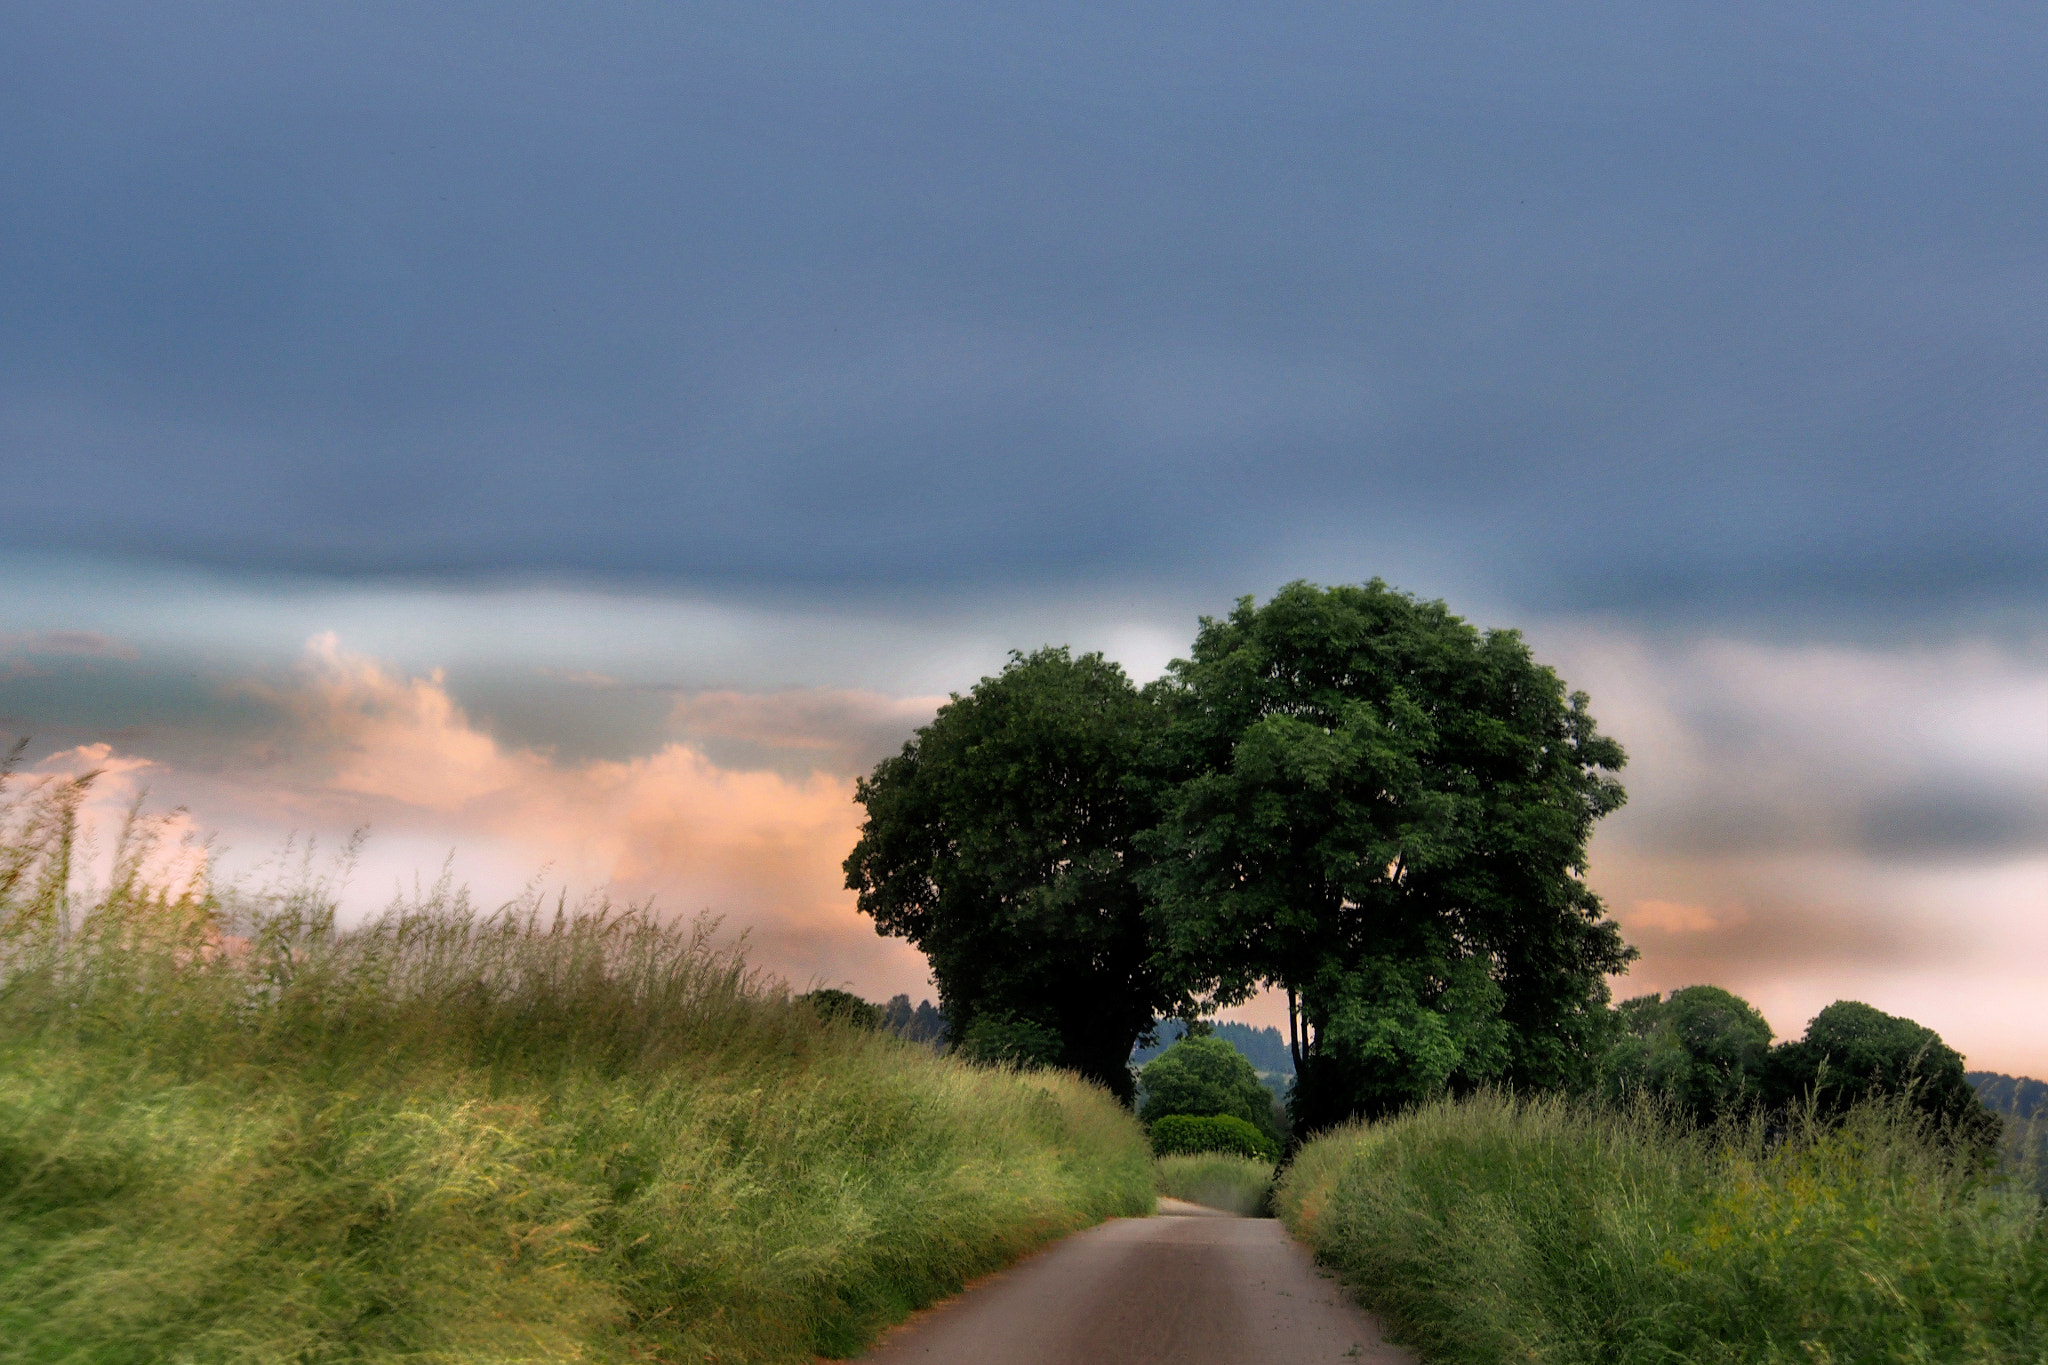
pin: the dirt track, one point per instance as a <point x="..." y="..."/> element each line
<point x="1187" y="1287"/>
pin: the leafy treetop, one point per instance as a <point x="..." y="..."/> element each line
<point x="1373" y="805"/>
<point x="1201" y="1077"/>
<point x="999" y="841"/>
<point x="1703" y="1050"/>
<point x="1852" y="1051"/>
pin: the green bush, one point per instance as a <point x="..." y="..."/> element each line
<point x="1202" y="1076"/>
<point x="1187" y="1134"/>
<point x="846" y="1007"/>
<point x="1233" y="1183"/>
<point x="234" y="1132"/>
<point x="1491" y="1229"/>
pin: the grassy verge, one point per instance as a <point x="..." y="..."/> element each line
<point x="235" y="1134"/>
<point x="1235" y="1183"/>
<point x="1490" y="1230"/>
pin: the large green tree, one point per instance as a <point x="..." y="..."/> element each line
<point x="1853" y="1052"/>
<point x="999" y="841"/>
<point x="1702" y="1050"/>
<point x="1384" y="811"/>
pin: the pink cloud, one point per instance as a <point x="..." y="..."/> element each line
<point x="844" y="731"/>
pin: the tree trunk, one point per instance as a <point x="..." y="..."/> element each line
<point x="1293" y="1032"/>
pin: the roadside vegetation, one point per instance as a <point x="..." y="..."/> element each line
<point x="1568" y="1232"/>
<point x="231" y="1131"/>
<point x="1204" y="1077"/>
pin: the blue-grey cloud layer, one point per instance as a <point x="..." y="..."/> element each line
<point x="1634" y="305"/>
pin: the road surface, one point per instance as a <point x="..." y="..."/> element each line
<point x="1189" y="1286"/>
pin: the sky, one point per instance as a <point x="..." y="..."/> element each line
<point x="574" y="442"/>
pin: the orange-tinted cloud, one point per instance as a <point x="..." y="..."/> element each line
<point x="368" y="745"/>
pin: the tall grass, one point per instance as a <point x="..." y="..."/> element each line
<point x="1234" y="1184"/>
<point x="231" y="1131"/>
<point x="1492" y="1230"/>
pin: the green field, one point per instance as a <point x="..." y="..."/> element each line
<point x="1492" y="1230"/>
<point x="230" y="1133"/>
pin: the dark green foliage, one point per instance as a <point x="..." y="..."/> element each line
<point x="845" y="1007"/>
<point x="999" y="841"/>
<point x="999" y="1036"/>
<point x="1702" y="1051"/>
<point x="1191" y="1135"/>
<point x="1205" y="1076"/>
<point x="1852" y="1052"/>
<point x="1367" y="801"/>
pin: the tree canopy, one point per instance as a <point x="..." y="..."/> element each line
<point x="1371" y="804"/>
<point x="1346" y="792"/>
<point x="1203" y="1077"/>
<point x="1852" y="1051"/>
<point x="999" y="841"/>
<point x="1708" y="1053"/>
<point x="1703" y="1050"/>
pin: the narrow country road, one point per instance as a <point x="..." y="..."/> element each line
<point x="1189" y="1286"/>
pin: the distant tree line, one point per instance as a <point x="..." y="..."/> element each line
<point x="1264" y="1048"/>
<point x="1708" y="1054"/>
<point x="2023" y="1105"/>
<point x="924" y="1024"/>
<point x="2017" y="1097"/>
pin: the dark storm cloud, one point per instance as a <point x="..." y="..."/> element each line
<point x="1956" y="823"/>
<point x="1829" y="812"/>
<point x="1644" y="306"/>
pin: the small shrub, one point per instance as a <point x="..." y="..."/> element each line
<point x="1189" y="1135"/>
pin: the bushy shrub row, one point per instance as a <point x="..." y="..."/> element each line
<point x="1188" y="1135"/>
<point x="1546" y="1231"/>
